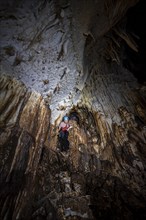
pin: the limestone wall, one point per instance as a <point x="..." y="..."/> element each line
<point x="24" y="121"/>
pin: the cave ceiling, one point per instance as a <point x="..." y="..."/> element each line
<point x="46" y="44"/>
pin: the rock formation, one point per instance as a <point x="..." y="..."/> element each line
<point x="59" y="57"/>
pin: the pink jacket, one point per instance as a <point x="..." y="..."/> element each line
<point x="63" y="126"/>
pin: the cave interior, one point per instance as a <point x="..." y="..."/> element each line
<point x="85" y="59"/>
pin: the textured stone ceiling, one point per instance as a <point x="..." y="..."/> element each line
<point x="43" y="44"/>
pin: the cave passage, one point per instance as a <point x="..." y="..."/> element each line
<point x="87" y="60"/>
<point x="136" y="22"/>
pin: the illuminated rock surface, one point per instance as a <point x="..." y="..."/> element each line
<point x="60" y="57"/>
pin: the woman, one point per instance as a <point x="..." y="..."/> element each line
<point x="63" y="133"/>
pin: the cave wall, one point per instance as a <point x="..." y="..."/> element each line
<point x="23" y="115"/>
<point x="101" y="177"/>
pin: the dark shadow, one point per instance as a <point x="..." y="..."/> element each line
<point x="136" y="21"/>
<point x="73" y="115"/>
<point x="9" y="191"/>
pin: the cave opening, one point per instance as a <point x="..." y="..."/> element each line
<point x="136" y="61"/>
